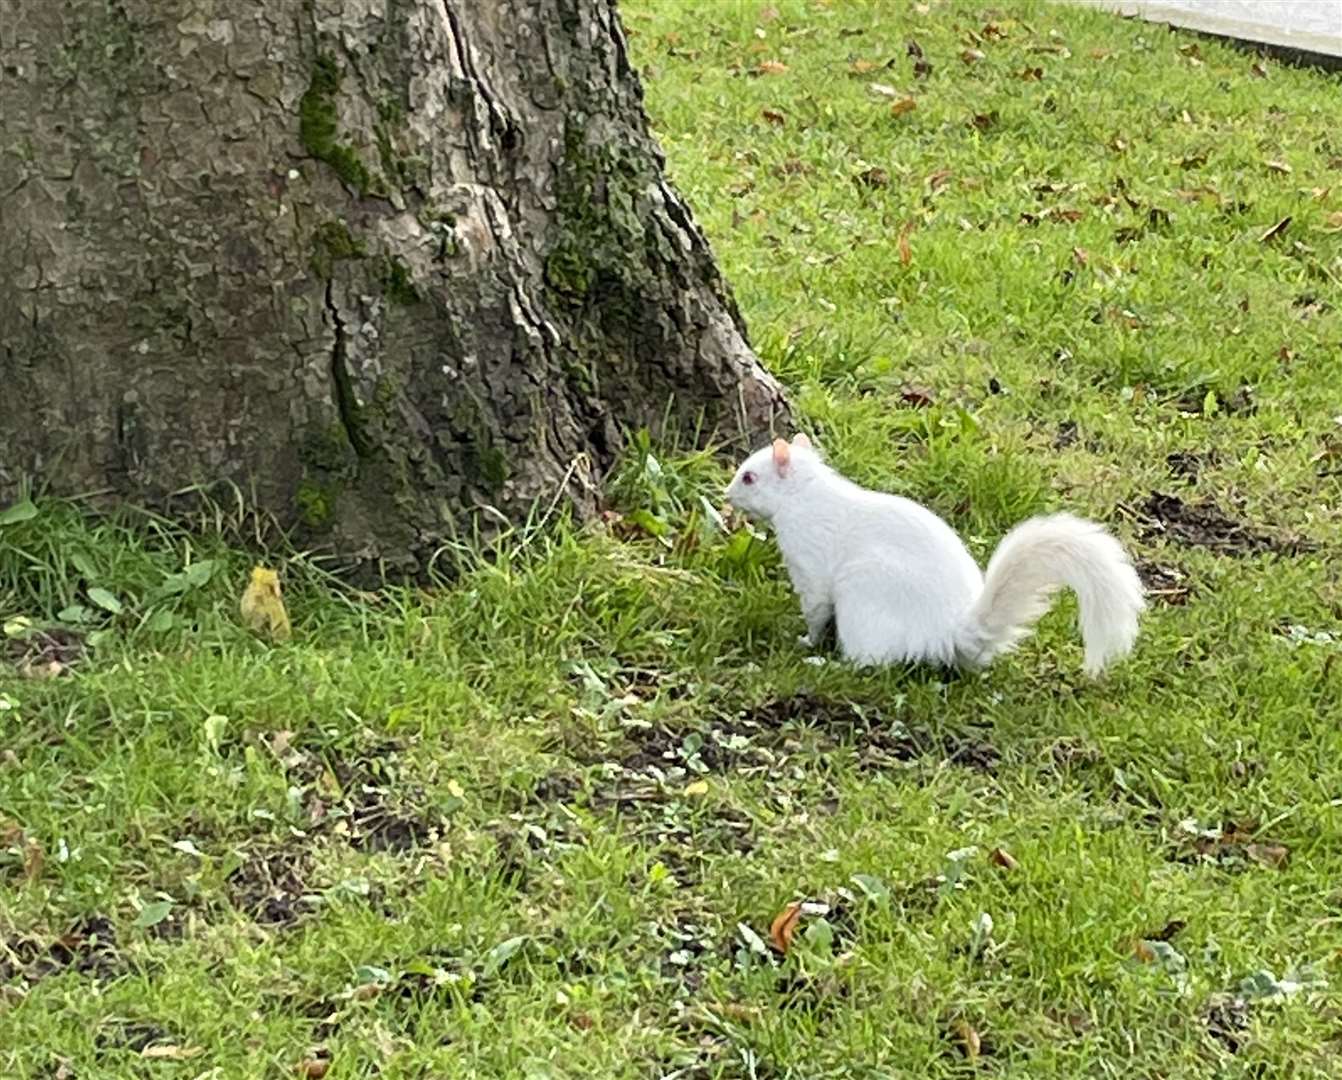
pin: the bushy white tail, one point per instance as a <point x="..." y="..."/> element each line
<point x="1033" y="561"/>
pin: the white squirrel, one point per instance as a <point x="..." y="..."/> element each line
<point x="900" y="585"/>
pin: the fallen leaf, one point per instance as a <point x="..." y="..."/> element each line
<point x="1334" y="219"/>
<point x="873" y="178"/>
<point x="863" y="67"/>
<point x="971" y="1043"/>
<point x="902" y="106"/>
<point x="1081" y="255"/>
<point x="1279" y="167"/>
<point x="774" y="117"/>
<point x="34" y="859"/>
<point x="170" y="1052"/>
<point x="313" y="1068"/>
<point x="921" y="69"/>
<point x="1003" y="858"/>
<point x="1276" y="230"/>
<point x="920" y="397"/>
<point x="1142" y="950"/>
<point x="973" y="56"/>
<point x="937" y="180"/>
<point x="883" y="89"/>
<point x="698" y="787"/>
<point x="1258" y="69"/>
<point x="262" y="605"/>
<point x="992" y="32"/>
<point x="1271" y="855"/>
<point x="912" y="48"/>
<point x="985" y="121"/>
<point x="768" y="14"/>
<point x="1100" y="54"/>
<point x="905" y="251"/>
<point x="1030" y="74"/>
<point x="770" y="67"/>
<point x="784" y="926"/>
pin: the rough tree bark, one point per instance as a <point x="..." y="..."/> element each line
<point x="379" y="263"/>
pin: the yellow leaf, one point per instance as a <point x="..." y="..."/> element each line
<point x="771" y="67"/>
<point x="262" y="607"/>
<point x="699" y="787"/>
<point x="902" y="106"/>
<point x="455" y="790"/>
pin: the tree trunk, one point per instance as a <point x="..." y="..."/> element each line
<point x="384" y="265"/>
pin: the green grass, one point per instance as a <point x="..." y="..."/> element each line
<point x="448" y="832"/>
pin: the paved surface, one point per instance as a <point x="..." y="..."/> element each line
<point x="1309" y="26"/>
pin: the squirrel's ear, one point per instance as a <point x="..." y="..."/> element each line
<point x="801" y="439"/>
<point x="782" y="455"/>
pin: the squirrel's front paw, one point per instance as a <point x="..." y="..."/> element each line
<point x="804" y="640"/>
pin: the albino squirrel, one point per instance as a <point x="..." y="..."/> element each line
<point x="900" y="585"/>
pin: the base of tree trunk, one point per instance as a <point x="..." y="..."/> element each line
<point x="393" y="269"/>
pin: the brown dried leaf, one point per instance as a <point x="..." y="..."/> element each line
<point x="862" y="67"/>
<point x="784" y="926"/>
<point x="1030" y="74"/>
<point x="770" y="67"/>
<point x="1100" y="54"/>
<point x="1143" y="952"/>
<point x="1081" y="255"/>
<point x="873" y="178"/>
<point x="921" y="69"/>
<point x="1334" y="219"/>
<point x="1003" y="858"/>
<point x="1271" y="855"/>
<point x="920" y="397"/>
<point x="313" y="1068"/>
<point x="1276" y="230"/>
<point x="937" y="180"/>
<point x="973" y="56"/>
<point x="985" y="121"/>
<point x="774" y="117"/>
<point x="902" y="106"/>
<point x="905" y="251"/>
<point x="1258" y="69"/>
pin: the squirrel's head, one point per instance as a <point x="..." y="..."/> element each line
<point x="770" y="477"/>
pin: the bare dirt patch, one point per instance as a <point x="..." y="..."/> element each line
<point x="1206" y="526"/>
<point x="89" y="947"/>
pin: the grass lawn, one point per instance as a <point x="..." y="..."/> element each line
<point x="537" y="824"/>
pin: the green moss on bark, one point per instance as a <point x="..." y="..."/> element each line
<point x="396" y="282"/>
<point x="599" y="231"/>
<point x="332" y="242"/>
<point x="319" y="126"/>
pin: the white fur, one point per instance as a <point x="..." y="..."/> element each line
<point x="900" y="585"/>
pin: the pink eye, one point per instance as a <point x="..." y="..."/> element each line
<point x="748" y="478"/>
